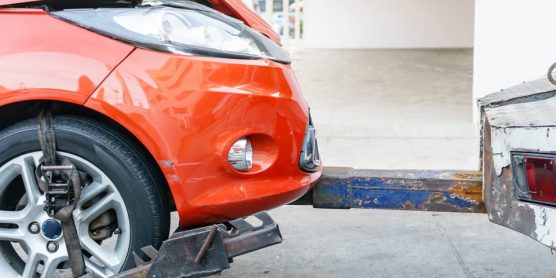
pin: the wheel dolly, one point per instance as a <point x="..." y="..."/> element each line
<point x="205" y="251"/>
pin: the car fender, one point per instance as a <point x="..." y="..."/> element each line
<point x="58" y="61"/>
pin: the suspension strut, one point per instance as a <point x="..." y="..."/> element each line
<point x="59" y="179"/>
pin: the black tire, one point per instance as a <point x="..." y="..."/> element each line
<point x="135" y="177"/>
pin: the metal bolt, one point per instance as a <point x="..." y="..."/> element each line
<point x="118" y="231"/>
<point x="34" y="228"/>
<point x="52" y="246"/>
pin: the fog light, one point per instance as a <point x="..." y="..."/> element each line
<point x="241" y="155"/>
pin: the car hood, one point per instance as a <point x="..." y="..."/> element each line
<point x="238" y="9"/>
<point x="13" y="2"/>
<point x="233" y="8"/>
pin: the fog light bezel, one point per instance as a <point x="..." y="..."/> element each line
<point x="242" y="160"/>
<point x="309" y="159"/>
<point x="266" y="152"/>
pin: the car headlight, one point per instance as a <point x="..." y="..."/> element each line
<point x="187" y="29"/>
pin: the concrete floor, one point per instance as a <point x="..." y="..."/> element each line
<point x="382" y="243"/>
<point x="392" y="109"/>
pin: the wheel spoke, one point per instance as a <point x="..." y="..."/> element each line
<point x="30" y="269"/>
<point x="102" y="254"/>
<point x="91" y="191"/>
<point x="29" y="180"/>
<point x="96" y="270"/>
<point x="96" y="209"/>
<point x="11" y="235"/>
<point x="7" y="174"/>
<point x="50" y="267"/>
<point x="13" y="217"/>
<point x="17" y="218"/>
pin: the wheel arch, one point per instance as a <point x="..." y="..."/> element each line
<point x="19" y="111"/>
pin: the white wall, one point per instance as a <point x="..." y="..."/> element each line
<point x="388" y="23"/>
<point x="515" y="41"/>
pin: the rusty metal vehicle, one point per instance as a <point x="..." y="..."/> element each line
<point x="519" y="158"/>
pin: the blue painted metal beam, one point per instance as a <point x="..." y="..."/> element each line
<point x="454" y="191"/>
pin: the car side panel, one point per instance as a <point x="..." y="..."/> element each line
<point x="188" y="111"/>
<point x="42" y="57"/>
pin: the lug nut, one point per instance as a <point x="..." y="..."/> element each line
<point x="52" y="246"/>
<point x="34" y="228"/>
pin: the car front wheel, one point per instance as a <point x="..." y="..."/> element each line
<point x="122" y="206"/>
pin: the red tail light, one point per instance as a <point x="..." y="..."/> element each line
<point x="535" y="176"/>
<point x="540" y="179"/>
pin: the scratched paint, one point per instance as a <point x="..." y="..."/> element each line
<point x="507" y="139"/>
<point x="531" y="219"/>
<point x="469" y="192"/>
<point x="521" y="118"/>
<point x="405" y="190"/>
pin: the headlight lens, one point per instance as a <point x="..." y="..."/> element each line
<point x="179" y="30"/>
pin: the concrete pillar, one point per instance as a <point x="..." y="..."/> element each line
<point x="390" y="23"/>
<point x="297" y="20"/>
<point x="269" y="11"/>
<point x="286" y="21"/>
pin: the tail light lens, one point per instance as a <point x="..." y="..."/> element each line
<point x="535" y="177"/>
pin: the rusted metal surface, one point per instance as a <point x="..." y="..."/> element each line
<point x="454" y="191"/>
<point x="528" y="91"/>
<point x="333" y="190"/>
<point x="177" y="256"/>
<point x="245" y="238"/>
<point x="526" y="122"/>
<point x="206" y="244"/>
<point x="205" y="251"/>
<point x="503" y="207"/>
<point x="521" y="118"/>
<point x="526" y="114"/>
<point x="138" y="272"/>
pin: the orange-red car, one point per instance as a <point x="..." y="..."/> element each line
<point x="161" y="105"/>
